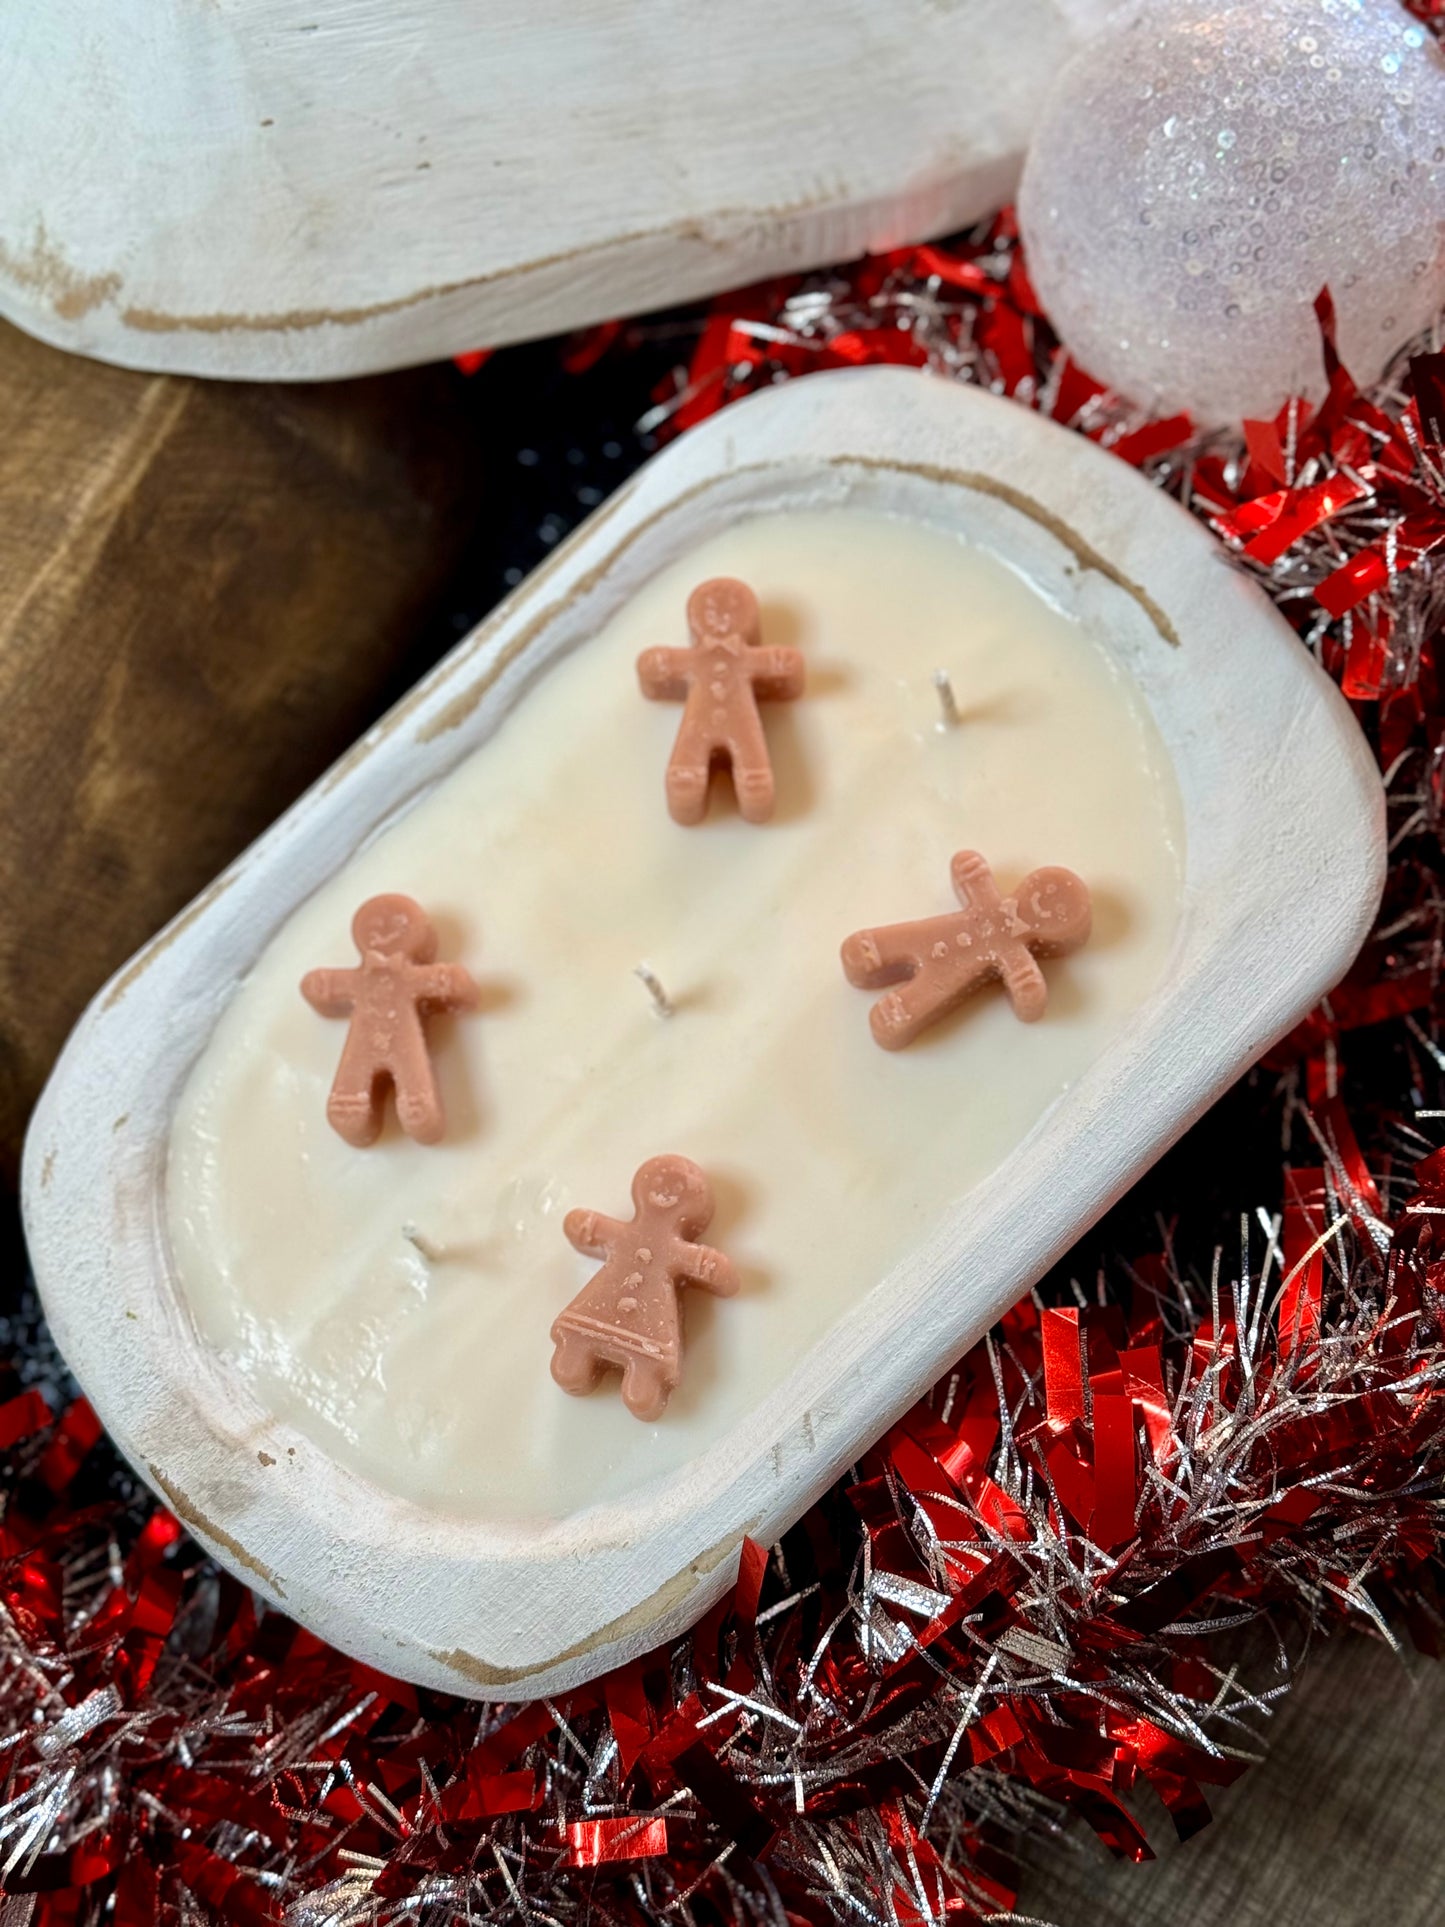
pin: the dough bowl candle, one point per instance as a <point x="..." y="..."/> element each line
<point x="994" y="805"/>
<point x="396" y="1302"/>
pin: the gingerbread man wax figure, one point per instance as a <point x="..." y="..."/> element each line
<point x="938" y="961"/>
<point x="628" y="1314"/>
<point x="721" y="679"/>
<point x="388" y="996"/>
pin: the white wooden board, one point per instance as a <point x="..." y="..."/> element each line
<point x="1285" y="860"/>
<point x="298" y="189"/>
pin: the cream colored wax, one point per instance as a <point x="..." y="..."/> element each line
<point x="552" y="868"/>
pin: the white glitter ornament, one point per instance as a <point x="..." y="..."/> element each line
<point x="1201" y="170"/>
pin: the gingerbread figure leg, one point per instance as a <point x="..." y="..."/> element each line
<point x="575" y="1365"/>
<point x="973" y="881"/>
<point x="752" y="769"/>
<point x="689" y="771"/>
<point x="646" y="1389"/>
<point x="418" y="1101"/>
<point x="354" y="1107"/>
<point x="873" y="959"/>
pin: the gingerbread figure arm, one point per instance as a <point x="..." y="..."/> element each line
<point x="777" y="674"/>
<point x="331" y="992"/>
<point x="1024" y="982"/>
<point x="593" y="1233"/>
<point x="665" y="674"/>
<point x="444" y="987"/>
<point x="701" y="1265"/>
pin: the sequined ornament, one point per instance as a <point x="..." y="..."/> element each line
<point x="1201" y="171"/>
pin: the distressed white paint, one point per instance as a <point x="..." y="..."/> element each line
<point x="299" y="189"/>
<point x="1284" y="823"/>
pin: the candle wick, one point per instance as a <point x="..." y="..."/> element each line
<point x="661" y="1002"/>
<point x="431" y="1252"/>
<point x="947" y="701"/>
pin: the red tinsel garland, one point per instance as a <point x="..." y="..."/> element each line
<point x="1022" y="1603"/>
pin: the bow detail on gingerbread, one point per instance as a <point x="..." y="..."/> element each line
<point x="721" y="679"/>
<point x="938" y="961"/>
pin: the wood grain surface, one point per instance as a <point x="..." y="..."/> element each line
<point x="206" y="590"/>
<point x="332" y="189"/>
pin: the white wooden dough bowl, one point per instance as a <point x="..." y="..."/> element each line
<point x="1285" y="833"/>
<point x="268" y="189"/>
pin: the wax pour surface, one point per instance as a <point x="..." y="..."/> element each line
<point x="397" y="1302"/>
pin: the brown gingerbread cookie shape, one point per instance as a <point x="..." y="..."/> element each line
<point x="939" y="961"/>
<point x="627" y="1314"/>
<point x="388" y="997"/>
<point x="721" y="679"/>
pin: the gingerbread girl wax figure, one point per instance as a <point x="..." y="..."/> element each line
<point x="628" y="1314"/>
